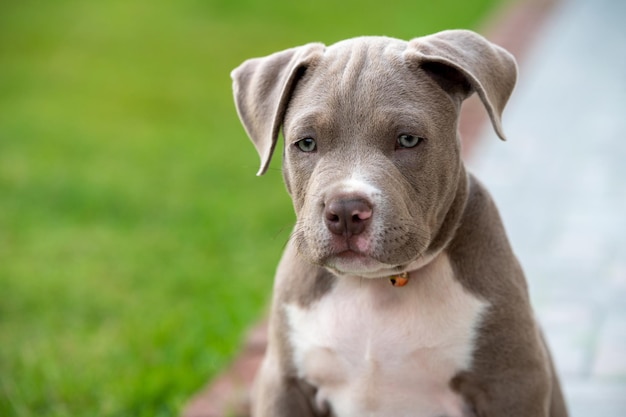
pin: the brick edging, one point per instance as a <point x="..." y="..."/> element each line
<point x="515" y="26"/>
<point x="228" y="395"/>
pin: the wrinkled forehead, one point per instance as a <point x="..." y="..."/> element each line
<point x="361" y="79"/>
<point x="366" y="68"/>
<point x="362" y="58"/>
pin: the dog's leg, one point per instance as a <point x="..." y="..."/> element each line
<point x="557" y="405"/>
<point x="508" y="395"/>
<point x="277" y="395"/>
<point x="557" y="402"/>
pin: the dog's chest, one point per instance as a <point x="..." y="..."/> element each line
<point x="372" y="349"/>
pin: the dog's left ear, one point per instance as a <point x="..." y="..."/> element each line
<point x="463" y="62"/>
<point x="262" y="88"/>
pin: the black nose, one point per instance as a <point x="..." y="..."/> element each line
<point x="347" y="216"/>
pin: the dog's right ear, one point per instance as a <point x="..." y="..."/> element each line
<point x="465" y="62"/>
<point x="262" y="88"/>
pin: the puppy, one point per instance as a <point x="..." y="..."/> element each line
<point x="398" y="294"/>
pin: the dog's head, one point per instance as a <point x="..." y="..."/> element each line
<point x="372" y="155"/>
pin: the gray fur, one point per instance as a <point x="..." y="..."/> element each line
<point x="354" y="98"/>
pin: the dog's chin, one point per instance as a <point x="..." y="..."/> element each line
<point x="351" y="263"/>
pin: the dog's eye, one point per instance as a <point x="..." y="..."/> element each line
<point x="408" y="141"/>
<point x="307" y="145"/>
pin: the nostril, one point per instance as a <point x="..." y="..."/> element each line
<point x="332" y="217"/>
<point x="356" y="218"/>
<point x="348" y="216"/>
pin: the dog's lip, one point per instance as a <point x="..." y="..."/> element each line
<point x="350" y="254"/>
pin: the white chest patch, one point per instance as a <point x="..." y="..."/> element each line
<point x="374" y="350"/>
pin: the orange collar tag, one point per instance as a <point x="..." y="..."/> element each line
<point x="399" y="280"/>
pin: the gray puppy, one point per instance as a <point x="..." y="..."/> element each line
<point x="398" y="294"/>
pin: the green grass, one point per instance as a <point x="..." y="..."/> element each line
<point x="136" y="243"/>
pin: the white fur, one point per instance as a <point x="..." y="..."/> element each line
<point x="374" y="350"/>
<point x="358" y="185"/>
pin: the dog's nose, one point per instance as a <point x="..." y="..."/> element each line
<point x="347" y="217"/>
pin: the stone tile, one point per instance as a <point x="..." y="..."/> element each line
<point x="595" y="399"/>
<point x="570" y="333"/>
<point x="610" y="357"/>
<point x="617" y="273"/>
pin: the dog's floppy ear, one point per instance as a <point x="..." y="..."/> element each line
<point x="262" y="88"/>
<point x="464" y="62"/>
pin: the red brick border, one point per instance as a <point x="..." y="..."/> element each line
<point x="515" y="27"/>
<point x="228" y="394"/>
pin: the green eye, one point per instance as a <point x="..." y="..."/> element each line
<point x="307" y="145"/>
<point x="408" y="141"/>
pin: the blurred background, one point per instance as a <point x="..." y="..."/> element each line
<point x="130" y="214"/>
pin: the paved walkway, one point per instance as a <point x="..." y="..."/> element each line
<point x="560" y="183"/>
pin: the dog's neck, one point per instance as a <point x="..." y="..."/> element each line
<point x="445" y="234"/>
<point x="452" y="218"/>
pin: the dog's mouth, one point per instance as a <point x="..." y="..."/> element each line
<point x="376" y="253"/>
<point x="351" y="254"/>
